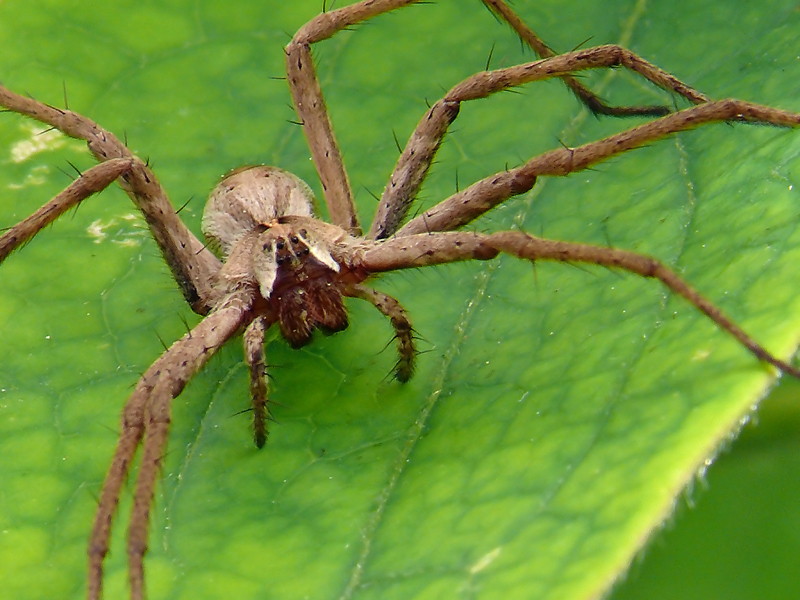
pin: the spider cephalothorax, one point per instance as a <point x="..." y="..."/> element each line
<point x="276" y="263"/>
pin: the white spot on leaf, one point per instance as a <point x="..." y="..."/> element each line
<point x="41" y="140"/>
<point x="37" y="176"/>
<point x="121" y="235"/>
<point x="485" y="560"/>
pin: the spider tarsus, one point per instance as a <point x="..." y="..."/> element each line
<point x="261" y="415"/>
<point x="404" y="370"/>
<point x="630" y="111"/>
<point x="598" y="107"/>
<point x="406" y="338"/>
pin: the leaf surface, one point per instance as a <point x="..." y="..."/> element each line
<point x="557" y="412"/>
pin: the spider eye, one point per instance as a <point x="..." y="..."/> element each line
<point x="295" y="240"/>
<point x="280" y="244"/>
<point x="303" y="233"/>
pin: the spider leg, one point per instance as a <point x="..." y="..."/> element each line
<point x="131" y="432"/>
<point x="438" y="248"/>
<point x="146" y="420"/>
<point x="192" y="265"/>
<point x="254" y="356"/>
<point x="403" y="331"/>
<point x="310" y="104"/>
<point x="470" y="203"/>
<point x="92" y="181"/>
<point x="415" y="161"/>
<point x="584" y="94"/>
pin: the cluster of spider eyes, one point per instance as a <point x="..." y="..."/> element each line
<point x="294" y="240"/>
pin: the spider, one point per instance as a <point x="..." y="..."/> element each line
<point x="291" y="257"/>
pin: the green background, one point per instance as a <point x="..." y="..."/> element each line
<point x="558" y="414"/>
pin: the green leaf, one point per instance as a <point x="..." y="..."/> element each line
<point x="739" y="541"/>
<point x="557" y="413"/>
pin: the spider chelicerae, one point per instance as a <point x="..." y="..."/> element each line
<point x="284" y="259"/>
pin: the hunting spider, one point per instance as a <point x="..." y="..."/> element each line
<point x="282" y="266"/>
